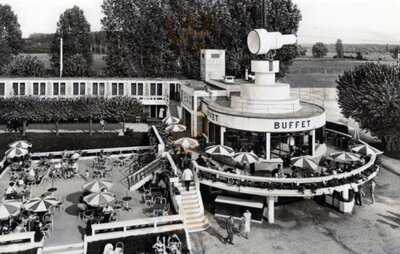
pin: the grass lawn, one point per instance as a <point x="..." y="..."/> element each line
<point x="47" y="142"/>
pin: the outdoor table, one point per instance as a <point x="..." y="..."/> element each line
<point x="126" y="200"/>
<point x="52" y="189"/>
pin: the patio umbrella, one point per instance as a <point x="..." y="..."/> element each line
<point x="176" y="128"/>
<point x="170" y="120"/>
<point x="220" y="150"/>
<point x="100" y="199"/>
<point x="97" y="185"/>
<point x="246" y="158"/>
<point x="75" y="156"/>
<point x="41" y="204"/>
<point x="9" y="209"/>
<point x="187" y="143"/>
<point x="365" y="150"/>
<point x="21" y="144"/>
<point x="345" y="157"/>
<point x="16" y="152"/>
<point x="305" y="162"/>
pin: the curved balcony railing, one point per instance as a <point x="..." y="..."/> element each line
<point x="316" y="185"/>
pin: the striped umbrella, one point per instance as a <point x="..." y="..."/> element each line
<point x="187" y="143"/>
<point x="365" y="150"/>
<point x="305" y="162"/>
<point x="220" y="150"/>
<point x="16" y="152"/>
<point x="97" y="185"/>
<point x="246" y="158"/>
<point x="41" y="204"/>
<point x="100" y="199"/>
<point x="176" y="128"/>
<point x="21" y="144"/>
<point x="170" y="120"/>
<point x="9" y="209"/>
<point x="345" y="157"/>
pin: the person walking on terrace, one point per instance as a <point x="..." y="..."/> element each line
<point x="247" y="223"/>
<point x="230" y="228"/>
<point x="187" y="177"/>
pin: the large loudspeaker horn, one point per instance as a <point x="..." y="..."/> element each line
<point x="260" y="41"/>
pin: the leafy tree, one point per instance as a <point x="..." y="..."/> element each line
<point x="10" y="35"/>
<point x="319" y="50"/>
<point x="370" y="94"/>
<point x="74" y="29"/>
<point x="339" y="49"/>
<point x="395" y="52"/>
<point x="25" y="66"/>
<point x="301" y="51"/>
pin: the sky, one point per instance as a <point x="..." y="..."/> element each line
<point x="354" y="21"/>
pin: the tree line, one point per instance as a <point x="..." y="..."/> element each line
<point x="18" y="112"/>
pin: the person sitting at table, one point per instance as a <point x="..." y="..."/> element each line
<point x="201" y="161"/>
<point x="108" y="211"/>
<point x="277" y="171"/>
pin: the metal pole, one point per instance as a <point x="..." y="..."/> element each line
<point x="61" y="57"/>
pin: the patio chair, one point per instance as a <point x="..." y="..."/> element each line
<point x="119" y="248"/>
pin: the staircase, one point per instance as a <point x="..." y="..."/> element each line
<point x="192" y="208"/>
<point x="141" y="176"/>
<point x="64" y="249"/>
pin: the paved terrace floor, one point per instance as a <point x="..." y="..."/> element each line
<point x="68" y="228"/>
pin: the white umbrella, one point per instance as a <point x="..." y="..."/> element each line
<point x="170" y="120"/>
<point x="220" y="150"/>
<point x="305" y="162"/>
<point x="42" y="204"/>
<point x="75" y="156"/>
<point x="16" y="152"/>
<point x="100" y="199"/>
<point x="97" y="185"/>
<point x="187" y="143"/>
<point x="176" y="128"/>
<point x="365" y="150"/>
<point x="345" y="157"/>
<point x="9" y="209"/>
<point x="21" y="144"/>
<point x="246" y="158"/>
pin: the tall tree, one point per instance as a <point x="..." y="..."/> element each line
<point x="370" y="94"/>
<point x="10" y="35"/>
<point x="339" y="49"/>
<point x="319" y="50"/>
<point x="25" y="66"/>
<point x="395" y="52"/>
<point x="74" y="29"/>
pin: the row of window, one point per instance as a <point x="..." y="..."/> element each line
<point x="98" y="89"/>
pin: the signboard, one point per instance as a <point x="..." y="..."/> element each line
<point x="265" y="124"/>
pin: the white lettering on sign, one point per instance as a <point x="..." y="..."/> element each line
<point x="292" y="125"/>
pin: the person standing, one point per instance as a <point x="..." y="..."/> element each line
<point x="373" y="185"/>
<point x="229" y="230"/>
<point x="187" y="177"/>
<point x="247" y="223"/>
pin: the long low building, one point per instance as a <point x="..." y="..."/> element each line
<point x="154" y="94"/>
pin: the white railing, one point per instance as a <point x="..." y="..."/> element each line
<point x="18" y="242"/>
<point x="94" y="152"/>
<point x="161" y="144"/>
<point x="143" y="173"/>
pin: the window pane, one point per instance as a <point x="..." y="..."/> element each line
<point x="159" y="89"/>
<point x="2" y="89"/>
<point x="22" y="88"/>
<point x="35" y="88"/>
<point x="55" y="88"/>
<point x="42" y="88"/>
<point x="15" y="88"/>
<point x="133" y="89"/>
<point x="76" y="89"/>
<point x="101" y="89"/>
<point x="114" y="89"/>
<point x="121" y="89"/>
<point x="152" y="89"/>
<point x="83" y="88"/>
<point x="95" y="89"/>
<point x="140" y="89"/>
<point x="62" y="89"/>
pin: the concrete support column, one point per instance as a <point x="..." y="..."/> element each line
<point x="271" y="209"/>
<point x="268" y="146"/>
<point x="194" y="117"/>
<point x="313" y="143"/>
<point x="223" y="129"/>
<point x="345" y="194"/>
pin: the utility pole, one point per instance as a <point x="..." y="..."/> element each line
<point x="61" y="57"/>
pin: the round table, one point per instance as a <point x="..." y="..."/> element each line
<point x="126" y="200"/>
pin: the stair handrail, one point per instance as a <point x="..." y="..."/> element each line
<point x="150" y="168"/>
<point x="198" y="193"/>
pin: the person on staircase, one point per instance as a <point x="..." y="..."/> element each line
<point x="187" y="177"/>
